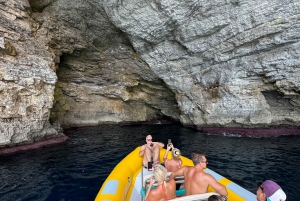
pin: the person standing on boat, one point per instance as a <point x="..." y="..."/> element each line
<point x="196" y="181"/>
<point x="270" y="191"/>
<point x="151" y="150"/>
<point x="174" y="163"/>
<point x="165" y="189"/>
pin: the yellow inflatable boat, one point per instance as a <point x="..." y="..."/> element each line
<point x="127" y="182"/>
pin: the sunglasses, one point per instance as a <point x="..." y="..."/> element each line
<point x="204" y="162"/>
<point x="149" y="139"/>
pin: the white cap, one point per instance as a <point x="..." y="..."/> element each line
<point x="279" y="195"/>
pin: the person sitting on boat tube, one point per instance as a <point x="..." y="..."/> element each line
<point x="270" y="191"/>
<point x="196" y="181"/>
<point x="151" y="150"/>
<point x="166" y="187"/>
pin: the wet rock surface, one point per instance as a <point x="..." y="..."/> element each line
<point x="63" y="63"/>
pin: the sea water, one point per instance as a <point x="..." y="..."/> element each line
<point x="76" y="169"/>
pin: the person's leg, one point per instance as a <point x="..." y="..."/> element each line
<point x="156" y="150"/>
<point x="147" y="156"/>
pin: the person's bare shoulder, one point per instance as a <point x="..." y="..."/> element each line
<point x="209" y="177"/>
<point x="154" y="194"/>
<point x="172" y="182"/>
<point x="185" y="168"/>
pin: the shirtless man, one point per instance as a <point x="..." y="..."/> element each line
<point x="174" y="163"/>
<point x="196" y="180"/>
<point x="165" y="189"/>
<point x="150" y="149"/>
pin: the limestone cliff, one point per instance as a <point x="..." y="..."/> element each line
<point x="230" y="63"/>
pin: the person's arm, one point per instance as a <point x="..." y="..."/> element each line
<point x="152" y="180"/>
<point x="180" y="163"/>
<point x="221" y="189"/>
<point x="160" y="144"/>
<point x="178" y="172"/>
<point x="166" y="153"/>
<point x="166" y="156"/>
<point x="142" y="150"/>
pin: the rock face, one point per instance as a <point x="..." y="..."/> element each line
<point x="222" y="59"/>
<point x="65" y="63"/>
<point x="27" y="80"/>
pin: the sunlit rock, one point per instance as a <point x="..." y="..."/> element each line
<point x="72" y="63"/>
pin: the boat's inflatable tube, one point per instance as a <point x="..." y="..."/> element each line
<point x="120" y="183"/>
<point x="117" y="184"/>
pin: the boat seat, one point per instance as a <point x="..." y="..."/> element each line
<point x="198" y="197"/>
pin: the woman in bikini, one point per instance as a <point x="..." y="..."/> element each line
<point x="165" y="189"/>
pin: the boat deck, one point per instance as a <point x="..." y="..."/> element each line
<point x="136" y="191"/>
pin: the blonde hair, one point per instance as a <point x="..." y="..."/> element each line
<point x="160" y="174"/>
<point x="176" y="153"/>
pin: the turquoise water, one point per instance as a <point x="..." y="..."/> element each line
<point x="75" y="169"/>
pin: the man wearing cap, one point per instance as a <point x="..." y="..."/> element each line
<point x="270" y="191"/>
